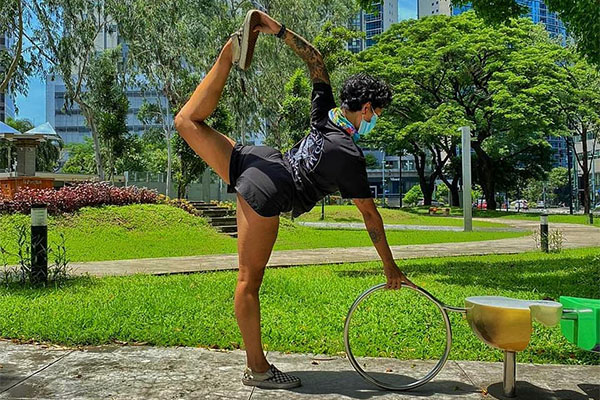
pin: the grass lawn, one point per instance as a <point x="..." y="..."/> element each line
<point x="148" y="231"/>
<point x="304" y="308"/>
<point x="409" y="216"/>
<point x="558" y="218"/>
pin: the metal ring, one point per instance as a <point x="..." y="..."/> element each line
<point x="432" y="373"/>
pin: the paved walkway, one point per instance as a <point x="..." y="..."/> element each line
<point x="143" y="372"/>
<point x="575" y="236"/>
<point x="397" y="227"/>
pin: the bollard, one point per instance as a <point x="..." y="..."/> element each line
<point x="544" y="232"/>
<point x="591" y="218"/>
<point x="39" y="244"/>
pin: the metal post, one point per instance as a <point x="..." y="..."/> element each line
<point x="569" y="167"/>
<point x="400" y="179"/>
<point x="591" y="217"/>
<point x="510" y="373"/>
<point x="544" y="232"/>
<point x="322" y="208"/>
<point x="466" y="178"/>
<point x="383" y="180"/>
<point x="9" y="160"/>
<point x="39" y="244"/>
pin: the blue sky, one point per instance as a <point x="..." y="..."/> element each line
<point x="33" y="107"/>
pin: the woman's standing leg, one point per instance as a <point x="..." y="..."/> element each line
<point x="256" y="237"/>
<point x="212" y="146"/>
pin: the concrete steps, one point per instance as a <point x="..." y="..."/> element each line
<point x="221" y="218"/>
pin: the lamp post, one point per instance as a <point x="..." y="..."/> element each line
<point x="569" y="167"/>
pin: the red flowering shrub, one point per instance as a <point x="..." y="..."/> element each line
<point x="72" y="198"/>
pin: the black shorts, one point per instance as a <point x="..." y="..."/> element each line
<point x="260" y="175"/>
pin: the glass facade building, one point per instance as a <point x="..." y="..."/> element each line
<point x="70" y="123"/>
<point x="7" y="101"/>
<point x="372" y="24"/>
<point x="538" y="13"/>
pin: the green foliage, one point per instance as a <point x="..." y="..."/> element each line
<point x="413" y="195"/>
<point x="371" y="161"/>
<point x="95" y="311"/>
<point x="81" y="158"/>
<point x="294" y="121"/>
<point x="106" y="95"/>
<point x="581" y="17"/>
<point x="450" y="71"/>
<point x="441" y="193"/>
<point x="157" y="230"/>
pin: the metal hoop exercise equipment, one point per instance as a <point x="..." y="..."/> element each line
<point x="443" y="309"/>
<point x="500" y="322"/>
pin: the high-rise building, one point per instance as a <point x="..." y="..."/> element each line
<point x="70" y="123"/>
<point x="426" y="8"/>
<point x="373" y="24"/>
<point x="7" y="101"/>
<point x="538" y="13"/>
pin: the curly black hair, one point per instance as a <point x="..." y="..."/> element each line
<point x="363" y="88"/>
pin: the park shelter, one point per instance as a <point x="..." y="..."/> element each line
<point x="26" y="144"/>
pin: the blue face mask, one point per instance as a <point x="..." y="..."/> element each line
<point x="367" y="126"/>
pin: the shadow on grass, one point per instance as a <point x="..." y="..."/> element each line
<point x="550" y="277"/>
<point x="29" y="291"/>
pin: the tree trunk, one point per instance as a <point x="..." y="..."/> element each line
<point x="485" y="171"/>
<point x="168" y="125"/>
<point x="169" y="166"/>
<point x="427" y="189"/>
<point x="91" y="123"/>
<point x="427" y="184"/>
<point x="454" y="193"/>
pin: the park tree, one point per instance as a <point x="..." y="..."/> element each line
<point x="106" y="94"/>
<point x="559" y="185"/>
<point x="63" y="40"/>
<point x="294" y="114"/>
<point x="13" y="66"/>
<point x="581" y="17"/>
<point x="81" y="158"/>
<point x="446" y="71"/>
<point x="172" y="44"/>
<point x="579" y="95"/>
<point x="294" y="117"/>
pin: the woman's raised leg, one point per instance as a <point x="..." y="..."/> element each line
<point x="212" y="146"/>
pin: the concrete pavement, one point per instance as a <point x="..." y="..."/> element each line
<point x="575" y="236"/>
<point x="142" y="372"/>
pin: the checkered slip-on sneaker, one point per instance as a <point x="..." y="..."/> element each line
<point x="248" y="40"/>
<point x="272" y="379"/>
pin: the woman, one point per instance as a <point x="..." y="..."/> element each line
<point x="268" y="183"/>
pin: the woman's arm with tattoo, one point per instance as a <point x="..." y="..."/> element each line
<point x="300" y="46"/>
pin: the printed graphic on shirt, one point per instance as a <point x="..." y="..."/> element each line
<point x="307" y="154"/>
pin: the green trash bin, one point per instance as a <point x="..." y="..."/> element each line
<point x="580" y="323"/>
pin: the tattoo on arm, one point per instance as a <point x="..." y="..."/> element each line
<point x="310" y="55"/>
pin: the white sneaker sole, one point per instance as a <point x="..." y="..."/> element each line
<point x="245" y="52"/>
<point x="270" y="385"/>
